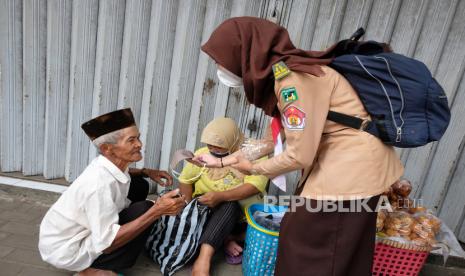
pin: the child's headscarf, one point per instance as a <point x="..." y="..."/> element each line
<point x="224" y="133"/>
<point x="249" y="46"/>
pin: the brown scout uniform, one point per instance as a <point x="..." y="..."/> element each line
<point x="344" y="162"/>
<point x="341" y="162"/>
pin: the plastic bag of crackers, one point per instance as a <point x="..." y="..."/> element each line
<point x="410" y="225"/>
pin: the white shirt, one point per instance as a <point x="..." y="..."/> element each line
<point x="84" y="220"/>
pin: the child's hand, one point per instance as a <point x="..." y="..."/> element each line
<point x="211" y="199"/>
<point x="195" y="162"/>
<point x="209" y="160"/>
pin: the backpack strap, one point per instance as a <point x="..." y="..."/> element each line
<point x="375" y="128"/>
<point x="378" y="129"/>
<point x="347" y="120"/>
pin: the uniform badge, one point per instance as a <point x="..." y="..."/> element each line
<point x="280" y="70"/>
<point x="294" y="118"/>
<point x="289" y="95"/>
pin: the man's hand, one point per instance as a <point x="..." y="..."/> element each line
<point x="211" y="199"/>
<point x="170" y="203"/>
<point x="157" y="176"/>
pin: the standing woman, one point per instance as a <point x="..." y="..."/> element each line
<point x="338" y="162"/>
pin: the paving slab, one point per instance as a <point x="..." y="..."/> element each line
<point x="10" y="269"/>
<point x="5" y="250"/>
<point x="21" y="241"/>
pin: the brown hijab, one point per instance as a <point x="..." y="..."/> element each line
<point x="249" y="46"/>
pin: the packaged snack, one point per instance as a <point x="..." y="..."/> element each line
<point x="408" y="224"/>
<point x="419" y="242"/>
<point x="398" y="196"/>
<point x="425" y="232"/>
<point x="402" y="188"/>
<point x="392" y="233"/>
<point x="398" y="224"/>
<point x="253" y="149"/>
<point x="427" y="226"/>
<point x="417" y="209"/>
<point x="413" y="236"/>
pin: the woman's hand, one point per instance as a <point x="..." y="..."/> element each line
<point x="209" y="160"/>
<point x="243" y="165"/>
<point x="157" y="176"/>
<point x="211" y="199"/>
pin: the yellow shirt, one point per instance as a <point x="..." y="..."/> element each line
<point x="192" y="174"/>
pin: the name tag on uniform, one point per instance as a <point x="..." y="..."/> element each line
<point x="294" y="118"/>
<point x="289" y="95"/>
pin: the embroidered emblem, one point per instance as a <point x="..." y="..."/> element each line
<point x="280" y="70"/>
<point x="289" y="95"/>
<point x="294" y="118"/>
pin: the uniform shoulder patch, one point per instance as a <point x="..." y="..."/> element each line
<point x="294" y="118"/>
<point x="280" y="70"/>
<point x="289" y="95"/>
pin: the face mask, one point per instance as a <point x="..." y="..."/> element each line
<point x="219" y="155"/>
<point x="228" y="78"/>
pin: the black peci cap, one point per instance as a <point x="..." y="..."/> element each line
<point x="108" y="122"/>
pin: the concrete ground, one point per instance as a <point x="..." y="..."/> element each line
<point x="22" y="209"/>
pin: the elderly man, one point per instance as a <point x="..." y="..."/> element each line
<point x="100" y="224"/>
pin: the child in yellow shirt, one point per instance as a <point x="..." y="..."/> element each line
<point x="221" y="189"/>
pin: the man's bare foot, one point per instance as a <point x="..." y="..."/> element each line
<point x="96" y="272"/>
<point x="233" y="248"/>
<point x="201" y="268"/>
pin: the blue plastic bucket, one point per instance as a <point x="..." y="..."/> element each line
<point x="261" y="244"/>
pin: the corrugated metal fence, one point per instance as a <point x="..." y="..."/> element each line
<point x="64" y="61"/>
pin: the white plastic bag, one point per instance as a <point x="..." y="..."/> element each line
<point x="447" y="244"/>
